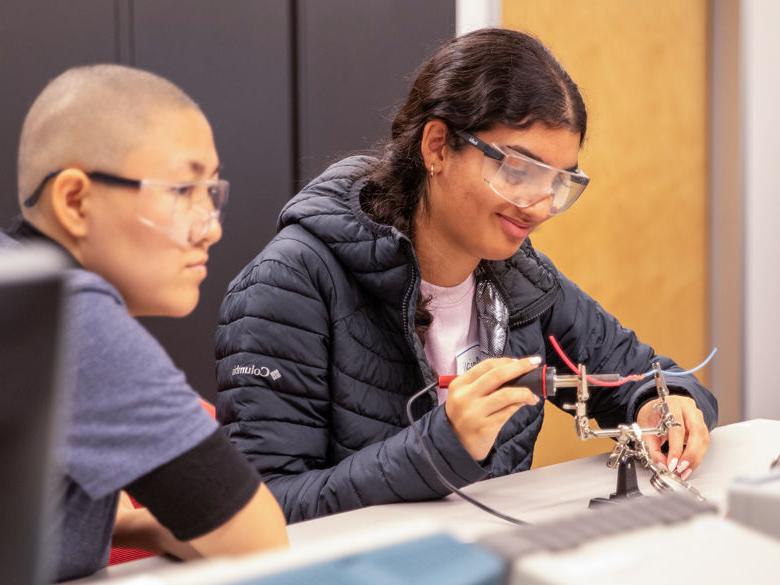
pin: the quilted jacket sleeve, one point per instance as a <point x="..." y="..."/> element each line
<point x="274" y="397"/>
<point x="592" y="336"/>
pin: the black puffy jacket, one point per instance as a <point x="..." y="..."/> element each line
<point x="317" y="357"/>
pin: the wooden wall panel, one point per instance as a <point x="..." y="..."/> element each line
<point x="638" y="239"/>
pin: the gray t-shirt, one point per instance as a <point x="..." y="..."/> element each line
<point x="131" y="411"/>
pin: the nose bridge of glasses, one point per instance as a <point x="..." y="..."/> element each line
<point x="204" y="214"/>
<point x="206" y="202"/>
<point x="202" y="225"/>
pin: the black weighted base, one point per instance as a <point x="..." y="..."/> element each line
<point x="627" y="486"/>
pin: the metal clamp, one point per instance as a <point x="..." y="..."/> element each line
<point x="630" y="444"/>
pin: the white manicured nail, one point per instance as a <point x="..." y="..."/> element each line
<point x="672" y="464"/>
<point x="686" y="475"/>
<point x="682" y="467"/>
<point x="535" y="361"/>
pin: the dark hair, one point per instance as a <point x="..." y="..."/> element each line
<point x="473" y="82"/>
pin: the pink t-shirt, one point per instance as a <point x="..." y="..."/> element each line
<point x="452" y="341"/>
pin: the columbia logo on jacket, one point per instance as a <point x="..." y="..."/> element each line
<point x="262" y="371"/>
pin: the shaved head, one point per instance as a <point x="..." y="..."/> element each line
<point x="91" y="118"/>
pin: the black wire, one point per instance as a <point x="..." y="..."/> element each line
<point x="442" y="479"/>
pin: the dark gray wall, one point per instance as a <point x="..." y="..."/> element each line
<point x="289" y="86"/>
<point x="38" y="40"/>
<point x="356" y="61"/>
<point x="234" y="59"/>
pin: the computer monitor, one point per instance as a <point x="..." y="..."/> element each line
<point x="31" y="312"/>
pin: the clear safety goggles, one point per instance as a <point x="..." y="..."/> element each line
<point x="184" y="212"/>
<point x="523" y="181"/>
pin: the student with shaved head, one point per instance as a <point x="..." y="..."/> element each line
<point x="118" y="168"/>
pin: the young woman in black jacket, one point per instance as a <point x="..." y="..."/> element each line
<point x="388" y="272"/>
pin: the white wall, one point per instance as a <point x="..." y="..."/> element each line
<point x="473" y="14"/>
<point x="761" y="128"/>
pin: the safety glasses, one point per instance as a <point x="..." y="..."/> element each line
<point x="523" y="181"/>
<point x="184" y="212"/>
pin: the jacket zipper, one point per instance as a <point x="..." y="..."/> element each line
<point x="537" y="309"/>
<point x="405" y="319"/>
<point x="405" y="303"/>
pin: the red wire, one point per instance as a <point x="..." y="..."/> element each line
<point x="595" y="381"/>
<point x="562" y="355"/>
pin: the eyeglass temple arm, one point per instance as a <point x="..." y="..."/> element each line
<point x="486" y="149"/>
<point x="113" y="179"/>
<point x="95" y="176"/>
<point x="33" y="198"/>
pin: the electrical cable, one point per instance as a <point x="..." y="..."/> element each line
<point x="686" y="372"/>
<point x="629" y="378"/>
<point x="439" y="475"/>
<point x="593" y="379"/>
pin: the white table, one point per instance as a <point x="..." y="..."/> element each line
<point x="558" y="490"/>
<point x="542" y="494"/>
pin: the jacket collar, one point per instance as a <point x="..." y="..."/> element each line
<point x="382" y="259"/>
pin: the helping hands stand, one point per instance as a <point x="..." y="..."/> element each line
<point x="630" y="446"/>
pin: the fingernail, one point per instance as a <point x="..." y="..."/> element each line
<point x="672" y="464"/>
<point x="686" y="475"/>
<point x="661" y="464"/>
<point x="535" y="360"/>
<point x="682" y="467"/>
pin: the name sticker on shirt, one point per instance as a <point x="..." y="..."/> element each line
<point x="467" y="358"/>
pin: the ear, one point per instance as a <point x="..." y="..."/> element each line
<point x="433" y="145"/>
<point x="70" y="199"/>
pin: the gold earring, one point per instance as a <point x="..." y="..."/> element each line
<point x="433" y="170"/>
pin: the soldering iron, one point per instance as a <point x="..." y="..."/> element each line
<point x="544" y="381"/>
